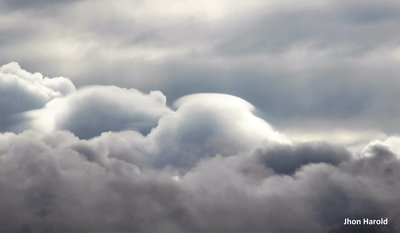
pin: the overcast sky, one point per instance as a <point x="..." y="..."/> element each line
<point x="331" y="65"/>
<point x="224" y="112"/>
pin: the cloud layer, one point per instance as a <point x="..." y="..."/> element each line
<point x="228" y="144"/>
<point x="318" y="64"/>
<point x="111" y="159"/>
<point x="93" y="110"/>
<point x="55" y="182"/>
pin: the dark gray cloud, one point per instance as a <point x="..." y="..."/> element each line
<point x="33" y="5"/>
<point x="287" y="159"/>
<point x="56" y="182"/>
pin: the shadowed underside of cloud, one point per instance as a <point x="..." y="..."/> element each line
<point x="55" y="182"/>
<point x="110" y="159"/>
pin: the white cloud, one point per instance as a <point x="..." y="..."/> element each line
<point x="390" y="144"/>
<point x="201" y="126"/>
<point x="21" y="91"/>
<point x="96" y="109"/>
<point x="205" y="125"/>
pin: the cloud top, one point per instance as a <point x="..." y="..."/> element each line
<point x="106" y="158"/>
<point x="96" y="109"/>
<point x="21" y="91"/>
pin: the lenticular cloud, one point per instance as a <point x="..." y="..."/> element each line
<point x="93" y="110"/>
<point x="111" y="159"/>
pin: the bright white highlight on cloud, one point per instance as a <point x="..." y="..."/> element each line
<point x="22" y="91"/>
<point x="96" y="109"/>
<point x="201" y="125"/>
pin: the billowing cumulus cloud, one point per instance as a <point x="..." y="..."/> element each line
<point x="198" y="126"/>
<point x="56" y="182"/>
<point x="209" y="124"/>
<point x="93" y="110"/>
<point x="21" y="91"/>
<point x="112" y="159"/>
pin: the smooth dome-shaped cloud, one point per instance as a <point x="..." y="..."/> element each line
<point x="205" y="125"/>
<point x="93" y="110"/>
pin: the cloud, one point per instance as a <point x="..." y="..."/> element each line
<point x="106" y="158"/>
<point x="220" y="124"/>
<point x="29" y="5"/>
<point x="246" y="196"/>
<point x="56" y="182"/>
<point x="21" y="91"/>
<point x="93" y="110"/>
<point x="279" y="55"/>
<point x="76" y="156"/>
<point x="202" y="125"/>
<point x="210" y="124"/>
<point x="287" y="159"/>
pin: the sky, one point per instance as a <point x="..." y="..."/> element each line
<point x="199" y="116"/>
